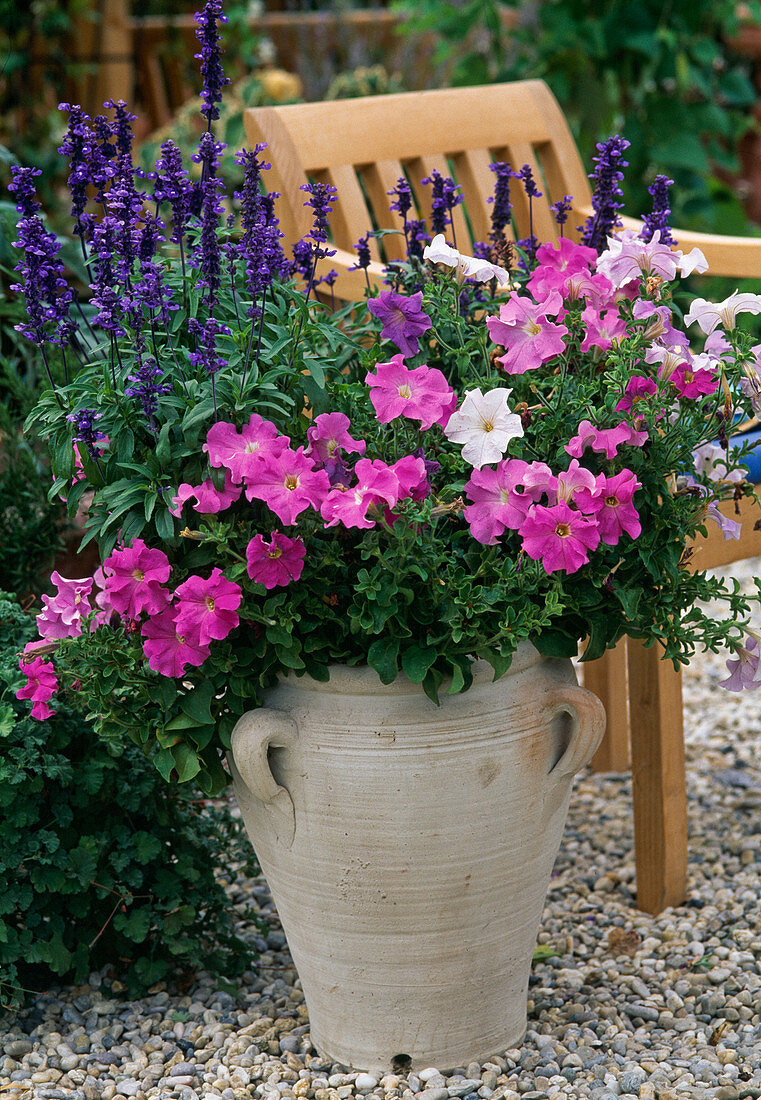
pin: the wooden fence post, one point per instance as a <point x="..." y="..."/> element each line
<point x="102" y="46"/>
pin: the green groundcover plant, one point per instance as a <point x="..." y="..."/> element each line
<point x="514" y="446"/>
<point x="102" y="863"/>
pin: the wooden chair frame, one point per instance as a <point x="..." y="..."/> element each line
<point x="362" y="147"/>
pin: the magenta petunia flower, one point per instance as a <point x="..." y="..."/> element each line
<point x="226" y="446"/>
<point x="168" y="651"/>
<point x="288" y="483"/>
<point x="134" y="576"/>
<point x="638" y="386"/>
<point x="693" y="380"/>
<point x="412" y="475"/>
<point x="524" y="329"/>
<point x="330" y="433"/>
<point x="420" y="394"/>
<point x="277" y="562"/>
<point x="41" y="685"/>
<point x="63" y="613"/>
<point x="559" y="537"/>
<point x="207" y="608"/>
<point x="605" y="440"/>
<point x="611" y="504"/>
<point x="402" y="317"/>
<point x="499" y="499"/>
<point x="208" y="498"/>
<point x="376" y="484"/>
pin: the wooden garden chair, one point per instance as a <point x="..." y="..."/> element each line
<point x="362" y="147"/>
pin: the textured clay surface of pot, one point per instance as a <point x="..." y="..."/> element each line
<point x="409" y="849"/>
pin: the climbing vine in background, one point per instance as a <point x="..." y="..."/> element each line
<point x="661" y="72"/>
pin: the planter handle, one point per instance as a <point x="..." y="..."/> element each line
<point x="255" y="733"/>
<point x="578" y="720"/>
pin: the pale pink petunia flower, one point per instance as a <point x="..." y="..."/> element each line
<point x="523" y="328"/>
<point x="41" y="685"/>
<point x="499" y="500"/>
<point x="376" y="484"/>
<point x="63" y="613"/>
<point x="275" y="563"/>
<point x="711" y="460"/>
<point x="168" y="651"/>
<point x="207" y="607"/>
<point x="611" y="504"/>
<point x="422" y="393"/>
<point x="709" y="315"/>
<point x="661" y="327"/>
<point x="134" y="576"/>
<point x="208" y="499"/>
<point x="743" y="668"/>
<point x="484" y="425"/>
<point x="628" y="257"/>
<point x="233" y="449"/>
<point x="329" y="433"/>
<point x="288" y="483"/>
<point x="559" y="537"/>
<point x="565" y="485"/>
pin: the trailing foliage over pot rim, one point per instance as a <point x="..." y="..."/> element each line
<point x="516" y="446"/>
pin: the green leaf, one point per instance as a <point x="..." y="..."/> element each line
<point x="416" y="661"/>
<point x="383" y="656"/>
<point x="197" y="704"/>
<point x="163" y="450"/>
<point x="186" y="762"/>
<point x="164" y="523"/>
<point x="556" y="643"/>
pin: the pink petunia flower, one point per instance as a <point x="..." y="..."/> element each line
<point x="555" y="262"/>
<point x="233" y="449"/>
<point x="329" y="433"/>
<point x="207" y="608"/>
<point x="208" y="498"/>
<point x="709" y="315"/>
<point x="402" y="317"/>
<point x="134" y="576"/>
<point x="277" y="562"/>
<point x="499" y="500"/>
<point x="168" y="651"/>
<point x="602" y="328"/>
<point x="288" y="483"/>
<point x="412" y="475"/>
<point x="41" y="685"/>
<point x="63" y="613"/>
<point x="611" y="504"/>
<point x="421" y="394"/>
<point x="661" y="327"/>
<point x="605" y="440"/>
<point x="376" y="484"/>
<point x="567" y="483"/>
<point x="559" y="537"/>
<point x="524" y="329"/>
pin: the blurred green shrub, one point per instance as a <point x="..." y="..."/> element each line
<point x="662" y="75"/>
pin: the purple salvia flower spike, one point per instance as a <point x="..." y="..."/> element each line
<point x="212" y="73"/>
<point x="85" y="431"/>
<point x="659" y="217"/>
<point x="607" y="197"/>
<point x="147" y="389"/>
<point x="77" y="146"/>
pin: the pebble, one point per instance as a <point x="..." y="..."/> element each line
<point x="628" y="1007"/>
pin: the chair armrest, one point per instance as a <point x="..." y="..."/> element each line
<point x="737" y="257"/>
<point x="350" y="286"/>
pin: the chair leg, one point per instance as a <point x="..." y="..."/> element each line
<point x="658" y="779"/>
<point x="607" y="678"/>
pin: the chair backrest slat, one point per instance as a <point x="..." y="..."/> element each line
<point x="362" y="146"/>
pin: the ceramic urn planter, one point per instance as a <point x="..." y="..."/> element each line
<point x="409" y="849"/>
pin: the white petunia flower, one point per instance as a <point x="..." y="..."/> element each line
<point x="467" y="267"/>
<point x="485" y="425"/>
<point x="709" y="315"/>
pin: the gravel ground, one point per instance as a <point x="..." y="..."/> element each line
<point x="665" y="1007"/>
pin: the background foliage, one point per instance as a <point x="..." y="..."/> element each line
<point x="103" y="863"/>
<point x="662" y="74"/>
